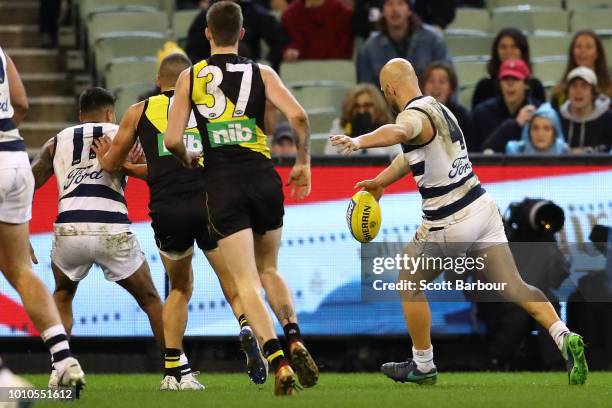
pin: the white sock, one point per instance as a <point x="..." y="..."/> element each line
<point x="56" y="339"/>
<point x="424" y="359"/>
<point x="557" y="331"/>
<point x="185" y="367"/>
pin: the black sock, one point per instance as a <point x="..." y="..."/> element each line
<point x="274" y="354"/>
<point x="292" y="332"/>
<point x="172" y="364"/>
<point x="242" y="320"/>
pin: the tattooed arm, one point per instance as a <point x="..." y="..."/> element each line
<point x="42" y="166"/>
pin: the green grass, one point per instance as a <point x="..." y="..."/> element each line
<point x="517" y="390"/>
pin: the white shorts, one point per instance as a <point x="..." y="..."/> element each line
<point x="118" y="255"/>
<point x="16" y="192"/>
<point x="476" y="227"/>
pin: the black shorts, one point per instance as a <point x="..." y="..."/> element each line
<point x="179" y="220"/>
<point x="252" y="200"/>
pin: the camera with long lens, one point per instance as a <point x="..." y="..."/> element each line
<point x="533" y="220"/>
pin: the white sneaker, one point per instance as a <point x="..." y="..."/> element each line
<point x="72" y="374"/>
<point x="169" y="383"/>
<point x="189" y="382"/>
<point x="53" y="380"/>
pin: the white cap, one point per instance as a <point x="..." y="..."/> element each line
<point x="584" y="73"/>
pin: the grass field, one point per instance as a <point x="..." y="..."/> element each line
<point x="517" y="390"/>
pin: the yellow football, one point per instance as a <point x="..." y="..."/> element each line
<point x="363" y="216"/>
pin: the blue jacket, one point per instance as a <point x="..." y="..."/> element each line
<point x="425" y="46"/>
<point x="524" y="145"/>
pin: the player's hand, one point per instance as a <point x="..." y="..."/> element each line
<point x="194" y="159"/>
<point x="299" y="180"/>
<point x="136" y="153"/>
<point x="291" y="54"/>
<point x="32" y="254"/>
<point x="344" y="144"/>
<point x="372" y="187"/>
<point x="101" y="146"/>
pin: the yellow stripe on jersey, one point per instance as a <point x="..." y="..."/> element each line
<point x="224" y="127"/>
<point x="157" y="113"/>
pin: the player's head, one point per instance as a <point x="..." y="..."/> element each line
<point x="399" y="83"/>
<point x="97" y="105"/>
<point x="169" y="70"/>
<point x="224" y="24"/>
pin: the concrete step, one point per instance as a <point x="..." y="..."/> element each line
<point x="19" y="12"/>
<point x="52" y="109"/>
<point x="47" y="84"/>
<point x="37" y="133"/>
<point x="19" y="36"/>
<point x="35" y="60"/>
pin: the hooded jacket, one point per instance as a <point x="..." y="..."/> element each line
<point x="593" y="132"/>
<point x="524" y="146"/>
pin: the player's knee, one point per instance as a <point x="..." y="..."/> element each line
<point x="267" y="270"/>
<point x="150" y="298"/>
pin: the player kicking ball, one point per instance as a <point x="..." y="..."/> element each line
<point x="460" y="217"/>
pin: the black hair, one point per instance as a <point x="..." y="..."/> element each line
<point x="95" y="98"/>
<point x="521" y="42"/>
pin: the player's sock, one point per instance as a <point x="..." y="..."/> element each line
<point x="185" y="367"/>
<point x="292" y="332"/>
<point x="424" y="359"/>
<point x="57" y="341"/>
<point x="274" y="354"/>
<point x="172" y="363"/>
<point x="242" y="321"/>
<point x="557" y="331"/>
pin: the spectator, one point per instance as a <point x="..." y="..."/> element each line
<point x="585" y="50"/>
<point x="510" y="43"/>
<point x="402" y="35"/>
<point x="501" y="118"/>
<point x="283" y="141"/>
<point x="363" y="111"/>
<point x="318" y="29"/>
<point x="440" y="81"/>
<point x="541" y="135"/>
<point x="48" y="21"/>
<point x="259" y="25"/>
<point x="586" y="117"/>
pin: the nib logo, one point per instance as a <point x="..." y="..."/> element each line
<point x="232" y="133"/>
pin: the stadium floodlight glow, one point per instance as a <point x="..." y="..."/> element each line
<point x="533" y="217"/>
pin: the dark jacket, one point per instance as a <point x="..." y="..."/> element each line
<point x="592" y="132"/>
<point x="462" y="115"/>
<point x="493" y="125"/>
<point x="488" y="88"/>
<point x="259" y="25"/>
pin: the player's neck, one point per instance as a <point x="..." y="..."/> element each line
<point x="165" y="89"/>
<point x="93" y="119"/>
<point x="233" y="49"/>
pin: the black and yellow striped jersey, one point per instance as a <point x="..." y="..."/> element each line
<point x="228" y="99"/>
<point x="166" y="175"/>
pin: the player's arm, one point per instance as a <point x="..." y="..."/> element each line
<point x="281" y="98"/>
<point x="42" y="166"/>
<point x="113" y="154"/>
<point x="410" y="125"/>
<point x="19" y="98"/>
<point x="396" y="170"/>
<point x="135" y="170"/>
<point x="178" y="118"/>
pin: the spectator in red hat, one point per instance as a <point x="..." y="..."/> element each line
<point x="501" y="118"/>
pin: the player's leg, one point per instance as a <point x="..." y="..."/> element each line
<point x="257" y="365"/>
<point x="140" y="286"/>
<point x="279" y="297"/>
<point x="238" y="251"/>
<point x="64" y="292"/>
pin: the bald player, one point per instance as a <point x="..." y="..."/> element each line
<point x="178" y="219"/>
<point x="460" y="218"/>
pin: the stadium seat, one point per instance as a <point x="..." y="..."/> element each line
<point x="587" y="4"/>
<point x="181" y="21"/>
<point x="118" y="45"/>
<point x="321" y="120"/>
<point x="89" y="7"/>
<point x="531" y="19"/>
<point x="492" y="4"/>
<point x="466" y="47"/>
<point x="465" y="97"/>
<point x="320" y="97"/>
<point x="470" y="21"/>
<point x="341" y="71"/>
<point x="128" y="95"/>
<point x="549" y="72"/>
<point x="149" y="22"/>
<point x="131" y="70"/>
<point x="599" y="21"/>
<point x="549" y="46"/>
<point x="470" y="72"/>
<point x="318" y="142"/>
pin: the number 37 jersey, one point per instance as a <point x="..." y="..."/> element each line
<point x="441" y="167"/>
<point x="228" y="99"/>
<point x="88" y="195"/>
